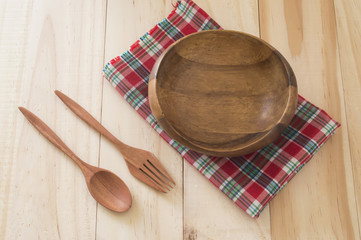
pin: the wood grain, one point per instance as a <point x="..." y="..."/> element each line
<point x="142" y="164"/>
<point x="153" y="215"/>
<point x="240" y="96"/>
<point x="46" y="45"/>
<point x="320" y="202"/>
<point x="349" y="38"/>
<point x="207" y="214"/>
<point x="105" y="187"/>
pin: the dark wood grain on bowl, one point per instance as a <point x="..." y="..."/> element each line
<point x="222" y="93"/>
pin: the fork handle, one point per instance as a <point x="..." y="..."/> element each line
<point x="91" y="121"/>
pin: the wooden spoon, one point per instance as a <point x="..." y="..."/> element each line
<point x="106" y="187"/>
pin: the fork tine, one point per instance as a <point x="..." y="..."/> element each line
<point x="154" y="177"/>
<point x="140" y="175"/>
<point x="159" y="177"/>
<point x="158" y="183"/>
<point x="158" y="166"/>
<point x="159" y="174"/>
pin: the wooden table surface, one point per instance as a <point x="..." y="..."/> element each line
<point x="48" y="45"/>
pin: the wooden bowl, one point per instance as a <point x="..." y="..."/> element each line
<point x="222" y="93"/>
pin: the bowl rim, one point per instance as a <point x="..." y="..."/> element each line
<point x="266" y="139"/>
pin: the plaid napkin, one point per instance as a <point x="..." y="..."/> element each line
<point x="251" y="181"/>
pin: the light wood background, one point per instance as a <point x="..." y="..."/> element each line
<point x="48" y="45"/>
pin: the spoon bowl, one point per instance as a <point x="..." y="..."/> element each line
<point x="110" y="191"/>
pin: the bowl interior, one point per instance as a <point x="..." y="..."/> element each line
<point x="222" y="89"/>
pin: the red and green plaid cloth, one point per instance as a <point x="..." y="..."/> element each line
<point x="251" y="181"/>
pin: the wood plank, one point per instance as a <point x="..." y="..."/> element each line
<point x="320" y="202"/>
<point x="208" y="213"/>
<point x="46" y="46"/>
<point x="153" y="215"/>
<point x="349" y="38"/>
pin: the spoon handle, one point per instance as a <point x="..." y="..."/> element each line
<point x="91" y="121"/>
<point x="53" y="138"/>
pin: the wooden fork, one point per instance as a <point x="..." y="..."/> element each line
<point x="142" y="164"/>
